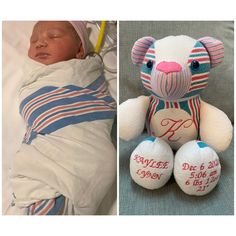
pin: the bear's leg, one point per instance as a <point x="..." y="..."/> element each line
<point x="196" y="168"/>
<point x="151" y="163"/>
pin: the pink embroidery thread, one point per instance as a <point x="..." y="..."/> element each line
<point x="174" y="125"/>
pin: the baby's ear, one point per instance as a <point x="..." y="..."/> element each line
<point x="215" y="48"/>
<point x="80" y="53"/>
<point x="140" y="48"/>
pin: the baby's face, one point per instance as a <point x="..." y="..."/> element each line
<point x="54" y="41"/>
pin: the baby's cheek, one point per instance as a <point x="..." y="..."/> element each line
<point x="30" y="52"/>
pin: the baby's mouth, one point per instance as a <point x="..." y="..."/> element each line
<point x="42" y="55"/>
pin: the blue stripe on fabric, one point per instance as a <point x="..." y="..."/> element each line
<point x="106" y="103"/>
<point x="150" y="56"/>
<point x="97" y="83"/>
<point x="43" y="99"/>
<point x="75" y="120"/>
<point x="69" y="110"/>
<point x="33" y="135"/>
<point x="160" y="106"/>
<point x="59" y="203"/>
<point x="146" y="70"/>
<point x="184" y="106"/>
<point x="193" y="93"/>
<point x="94" y="86"/>
<point x="199" y="55"/>
<point x="201" y="144"/>
<point x="204" y="67"/>
<point x="61" y="102"/>
<point x="43" y="90"/>
<point x="199" y="82"/>
<point x="151" y="138"/>
<point x="198" y="45"/>
<point x="41" y="206"/>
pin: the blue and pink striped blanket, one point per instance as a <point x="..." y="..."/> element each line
<point x="51" y="108"/>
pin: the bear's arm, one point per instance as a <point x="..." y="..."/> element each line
<point x="132" y="115"/>
<point x="215" y="127"/>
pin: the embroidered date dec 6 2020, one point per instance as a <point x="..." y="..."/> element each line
<point x="201" y="176"/>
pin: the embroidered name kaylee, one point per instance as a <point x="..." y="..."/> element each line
<point x="151" y="163"/>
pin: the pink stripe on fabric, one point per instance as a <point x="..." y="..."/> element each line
<point x="70" y="113"/>
<point x="47" y="207"/>
<point x="147" y="86"/>
<point x="201" y="59"/>
<point x="62" y="108"/>
<point x="138" y="48"/>
<point x="198" y="87"/>
<point x="191" y="106"/>
<point x="148" y="77"/>
<point x="60" y="96"/>
<point x="151" y="51"/>
<point x="198" y="50"/>
<point x="200" y="76"/>
<point x="59" y="90"/>
<point x="153" y="109"/>
<point x="32" y="109"/>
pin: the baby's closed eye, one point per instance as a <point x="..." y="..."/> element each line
<point x="55" y="33"/>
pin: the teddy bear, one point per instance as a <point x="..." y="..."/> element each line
<point x="185" y="133"/>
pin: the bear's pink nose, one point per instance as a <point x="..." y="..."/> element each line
<point x="168" y="67"/>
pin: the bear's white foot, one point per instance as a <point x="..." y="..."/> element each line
<point x="196" y="168"/>
<point x="151" y="163"/>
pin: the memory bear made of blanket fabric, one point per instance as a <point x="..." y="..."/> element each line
<point x="175" y="70"/>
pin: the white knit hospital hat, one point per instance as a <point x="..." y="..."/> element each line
<point x="80" y="28"/>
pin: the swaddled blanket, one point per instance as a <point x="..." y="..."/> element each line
<point x="51" y="108"/>
<point x="67" y="148"/>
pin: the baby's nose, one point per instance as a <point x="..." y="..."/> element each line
<point x="168" y="67"/>
<point x="41" y="43"/>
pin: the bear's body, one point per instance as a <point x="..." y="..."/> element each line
<point x="175" y="122"/>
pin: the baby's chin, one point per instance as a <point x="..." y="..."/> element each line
<point x="48" y="60"/>
<point x="45" y="61"/>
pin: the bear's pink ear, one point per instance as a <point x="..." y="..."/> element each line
<point x="215" y="48"/>
<point x="140" y="48"/>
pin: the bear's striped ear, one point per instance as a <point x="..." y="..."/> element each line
<point x="215" y="48"/>
<point x="140" y="48"/>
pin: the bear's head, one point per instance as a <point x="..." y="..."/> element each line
<point x="176" y="67"/>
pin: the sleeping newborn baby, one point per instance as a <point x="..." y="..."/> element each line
<point x="67" y="162"/>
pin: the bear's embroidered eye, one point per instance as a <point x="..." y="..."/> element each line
<point x="195" y="65"/>
<point x="149" y="64"/>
